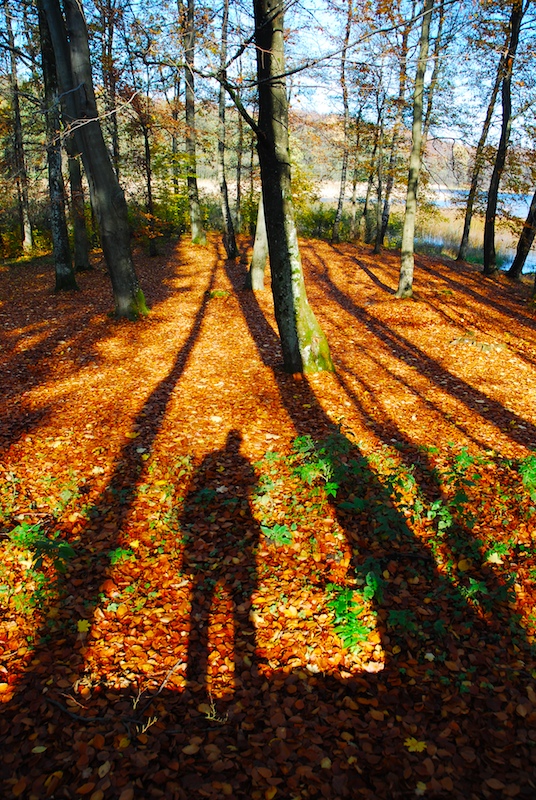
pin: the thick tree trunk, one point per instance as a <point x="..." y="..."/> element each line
<point x="335" y="234"/>
<point x="490" y="261"/>
<point x="188" y="38"/>
<point x="478" y="164"/>
<point x="405" y="283"/>
<point x="65" y="278"/>
<point x="304" y="345"/>
<point x="525" y="242"/>
<point x="255" y="276"/>
<point x="229" y="240"/>
<point x="21" y="175"/>
<point x="75" y="80"/>
<point x="78" y="213"/>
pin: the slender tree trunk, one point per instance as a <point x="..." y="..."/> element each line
<point x="174" y="137"/>
<point x="238" y="205"/>
<point x="379" y="191"/>
<point x="73" y="65"/>
<point x="335" y="235"/>
<point x="397" y="129"/>
<point x="525" y="242"/>
<point x="188" y="38"/>
<point x="21" y="174"/>
<point x="478" y="164"/>
<point x="65" y="278"/>
<point x="405" y="284"/>
<point x="255" y="276"/>
<point x="304" y="345"/>
<point x="355" y="176"/>
<point x="78" y="212"/>
<point x="149" y="187"/>
<point x="436" y="58"/>
<point x="490" y="262"/>
<point x="109" y="13"/>
<point x="363" y="222"/>
<point x="229" y="240"/>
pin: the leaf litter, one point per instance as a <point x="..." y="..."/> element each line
<point x="219" y="580"/>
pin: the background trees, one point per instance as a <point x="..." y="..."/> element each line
<point x="173" y="95"/>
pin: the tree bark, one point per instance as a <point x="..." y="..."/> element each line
<point x="255" y="276"/>
<point x="304" y="345"/>
<point x="229" y="241"/>
<point x="405" y="283"/>
<point x="525" y="242"/>
<point x="65" y="277"/>
<point x="71" y="50"/>
<point x="78" y="212"/>
<point x="335" y="235"/>
<point x="188" y="38"/>
<point x="490" y="260"/>
<point x="21" y="174"/>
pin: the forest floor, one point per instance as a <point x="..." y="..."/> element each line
<point x="217" y="580"/>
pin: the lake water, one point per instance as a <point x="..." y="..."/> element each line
<point x="516" y="205"/>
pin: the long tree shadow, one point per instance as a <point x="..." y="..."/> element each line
<point x="456" y="632"/>
<point x="47" y="337"/>
<point x="57" y="657"/>
<point x="401" y="348"/>
<point x="294" y="731"/>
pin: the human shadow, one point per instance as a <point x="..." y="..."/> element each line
<point x="220" y="538"/>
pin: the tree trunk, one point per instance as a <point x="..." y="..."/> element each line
<point x="229" y="240"/>
<point x="335" y="235"/>
<point x="153" y="251"/>
<point x="304" y="345"/>
<point x="379" y="191"/>
<point x="255" y="276"/>
<point x="238" y="204"/>
<point x="405" y="284"/>
<point x="188" y="38"/>
<point x="478" y="164"/>
<point x="490" y="262"/>
<point x="21" y="175"/>
<point x="78" y="213"/>
<point x="73" y="65"/>
<point x="363" y="222"/>
<point x="525" y="242"/>
<point x="108" y="11"/>
<point x="355" y="176"/>
<point x="65" y="278"/>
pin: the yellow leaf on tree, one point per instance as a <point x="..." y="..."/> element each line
<point x="413" y="745"/>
